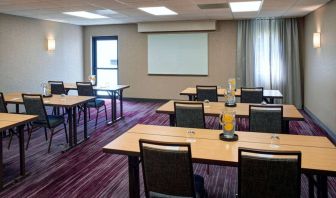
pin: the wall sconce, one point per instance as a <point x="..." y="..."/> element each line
<point x="317" y="40"/>
<point x="51" y="45"/>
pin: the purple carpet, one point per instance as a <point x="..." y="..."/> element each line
<point x="86" y="171"/>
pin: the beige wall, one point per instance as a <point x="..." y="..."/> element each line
<point x="133" y="60"/>
<point x="320" y="65"/>
<point x="24" y="61"/>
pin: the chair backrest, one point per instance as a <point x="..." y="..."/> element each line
<point x="266" y="118"/>
<point x="167" y="169"/>
<point x="57" y="87"/>
<point x="269" y="173"/>
<point x="205" y="92"/>
<point x="189" y="114"/>
<point x="34" y="106"/>
<point x="3" y="105"/>
<point x="85" y="89"/>
<point x="252" y="95"/>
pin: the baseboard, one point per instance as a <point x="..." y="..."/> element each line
<point x="145" y="99"/>
<point x="332" y="135"/>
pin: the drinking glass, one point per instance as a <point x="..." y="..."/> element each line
<point x="190" y="136"/>
<point x="275" y="141"/>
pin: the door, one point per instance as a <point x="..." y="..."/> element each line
<point x="105" y="61"/>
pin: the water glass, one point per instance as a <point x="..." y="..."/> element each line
<point x="275" y="141"/>
<point x="190" y="136"/>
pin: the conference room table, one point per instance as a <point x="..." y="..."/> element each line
<point x="290" y="112"/>
<point x="269" y="95"/>
<point x="66" y="101"/>
<point x="10" y="121"/>
<point x="114" y="91"/>
<point x="318" y="153"/>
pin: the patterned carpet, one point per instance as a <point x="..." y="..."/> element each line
<point x="86" y="171"/>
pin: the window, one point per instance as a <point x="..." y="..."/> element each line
<point x="105" y="61"/>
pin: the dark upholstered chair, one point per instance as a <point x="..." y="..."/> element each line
<point x="168" y="172"/>
<point x="86" y="89"/>
<point x="57" y="87"/>
<point x="252" y="95"/>
<point x="189" y="114"/>
<point x="266" y="118"/>
<point x="3" y="109"/>
<point x="275" y="174"/>
<point x="34" y="106"/>
<point x="204" y="92"/>
<point x="3" y="105"/>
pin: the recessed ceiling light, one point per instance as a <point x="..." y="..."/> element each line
<point x="247" y="6"/>
<point x="85" y="14"/>
<point x="158" y="10"/>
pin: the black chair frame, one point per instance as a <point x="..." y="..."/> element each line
<point x="252" y="88"/>
<point x="31" y="129"/>
<point x="190" y="103"/>
<point x="207" y="86"/>
<point x="270" y="107"/>
<point x="160" y="143"/>
<point x="269" y="152"/>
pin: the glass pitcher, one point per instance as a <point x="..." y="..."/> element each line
<point x="228" y="121"/>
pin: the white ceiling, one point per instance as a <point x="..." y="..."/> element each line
<point x="127" y="12"/>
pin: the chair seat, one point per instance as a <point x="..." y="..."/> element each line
<point x="54" y="121"/>
<point x="96" y="103"/>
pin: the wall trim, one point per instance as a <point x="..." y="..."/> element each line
<point x="330" y="133"/>
<point x="145" y="99"/>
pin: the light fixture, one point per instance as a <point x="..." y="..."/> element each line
<point x="246" y="6"/>
<point x="317" y="40"/>
<point x="158" y="10"/>
<point x="51" y="45"/>
<point x="87" y="15"/>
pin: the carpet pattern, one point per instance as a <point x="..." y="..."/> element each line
<point x="86" y="171"/>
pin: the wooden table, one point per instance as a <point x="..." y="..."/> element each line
<point x="268" y="94"/>
<point x="69" y="102"/>
<point x="318" y="153"/>
<point x="114" y="92"/>
<point x="290" y="112"/>
<point x="8" y="121"/>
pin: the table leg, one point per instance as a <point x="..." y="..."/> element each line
<point x="74" y="128"/>
<point x="121" y="103"/>
<point x="17" y="108"/>
<point x="311" y="186"/>
<point x="1" y="162"/>
<point x="172" y="119"/>
<point x="133" y="177"/>
<point x="22" y="150"/>
<point x="85" y="121"/>
<point x="70" y="127"/>
<point x="190" y="97"/>
<point x="322" y="186"/>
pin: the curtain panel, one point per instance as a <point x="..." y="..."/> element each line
<point x="268" y="56"/>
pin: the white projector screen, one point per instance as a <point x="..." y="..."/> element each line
<point x="178" y="54"/>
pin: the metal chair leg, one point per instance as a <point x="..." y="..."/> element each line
<point x="97" y="116"/>
<point x="11" y="133"/>
<point x="45" y="134"/>
<point x="51" y="136"/>
<point x="30" y="131"/>
<point x="66" y="133"/>
<point x="105" y="112"/>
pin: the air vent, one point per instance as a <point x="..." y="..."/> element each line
<point x="213" y="6"/>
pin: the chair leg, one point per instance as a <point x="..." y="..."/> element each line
<point x="66" y="133"/>
<point x="30" y="131"/>
<point x="51" y="136"/>
<point x="97" y="116"/>
<point x="11" y="133"/>
<point x="45" y="134"/>
<point x="88" y="109"/>
<point x="79" y="113"/>
<point x="105" y="112"/>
